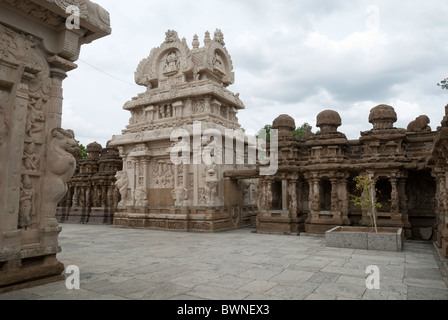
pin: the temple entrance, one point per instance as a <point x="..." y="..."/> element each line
<point x="277" y="195"/>
<point x="384" y="192"/>
<point x="421" y="190"/>
<point x="325" y="195"/>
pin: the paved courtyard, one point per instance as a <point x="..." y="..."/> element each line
<point x="236" y="265"/>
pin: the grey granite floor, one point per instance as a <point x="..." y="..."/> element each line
<point x="117" y="264"/>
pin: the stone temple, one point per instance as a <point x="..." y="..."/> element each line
<point x="183" y="162"/>
<point x="185" y="89"/>
<point x="311" y="190"/>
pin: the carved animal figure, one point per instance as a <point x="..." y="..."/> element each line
<point x="211" y="182"/>
<point x="122" y="185"/>
<point x="420" y="124"/>
<point x="61" y="166"/>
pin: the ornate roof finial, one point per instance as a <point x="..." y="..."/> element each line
<point x="195" y="42"/>
<point x="219" y="37"/>
<point x="171" y="36"/>
<point x="207" y="38"/>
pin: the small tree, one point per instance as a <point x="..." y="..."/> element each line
<point x="83" y="151"/>
<point x="299" y="132"/>
<point x="265" y="133"/>
<point x="443" y="84"/>
<point x="367" y="200"/>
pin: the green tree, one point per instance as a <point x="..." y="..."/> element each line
<point x="265" y="132"/>
<point x="443" y="84"/>
<point x="83" y="151"/>
<point x="299" y="132"/>
<point x="367" y="200"/>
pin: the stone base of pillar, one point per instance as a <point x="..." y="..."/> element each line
<point x="200" y="219"/>
<point x="320" y="223"/>
<point x="100" y="216"/>
<point x="279" y="222"/>
<point x="23" y="270"/>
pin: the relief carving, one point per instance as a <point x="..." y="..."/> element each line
<point x="141" y="198"/>
<point x="26" y="205"/>
<point x="61" y="166"/>
<point x="211" y="183"/>
<point x="30" y="159"/>
<point x="122" y="184"/>
<point x="163" y="175"/>
<point x="179" y="195"/>
<point x="36" y="117"/>
<point x="171" y="65"/>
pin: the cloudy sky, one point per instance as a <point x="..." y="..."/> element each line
<point x="298" y="57"/>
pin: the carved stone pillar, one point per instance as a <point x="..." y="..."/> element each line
<point x="395" y="200"/>
<point x="36" y="51"/>
<point x="403" y="203"/>
<point x="75" y="198"/>
<point x="335" y="209"/>
<point x="344" y="199"/>
<point x="104" y="196"/>
<point x="284" y="194"/>
<point x="293" y="201"/>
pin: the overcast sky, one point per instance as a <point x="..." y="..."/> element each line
<point x="294" y="57"/>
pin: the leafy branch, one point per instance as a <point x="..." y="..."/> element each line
<point x="367" y="200"/>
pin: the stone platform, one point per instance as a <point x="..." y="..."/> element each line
<point x="122" y="264"/>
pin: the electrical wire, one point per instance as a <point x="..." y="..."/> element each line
<point x="108" y="74"/>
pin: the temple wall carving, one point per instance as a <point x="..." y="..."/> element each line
<point x="36" y="154"/>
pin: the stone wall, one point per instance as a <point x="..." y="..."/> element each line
<point x="312" y="188"/>
<point x="36" y="52"/>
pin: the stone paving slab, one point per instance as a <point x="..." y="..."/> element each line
<point x="131" y="264"/>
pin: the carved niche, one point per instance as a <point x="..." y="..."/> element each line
<point x="163" y="175"/>
<point x="167" y="61"/>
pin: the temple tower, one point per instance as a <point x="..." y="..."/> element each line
<point x="186" y="106"/>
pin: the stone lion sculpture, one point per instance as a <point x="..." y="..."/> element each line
<point x="60" y="167"/>
<point x="420" y="124"/>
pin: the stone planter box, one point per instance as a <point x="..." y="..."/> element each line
<point x="387" y="239"/>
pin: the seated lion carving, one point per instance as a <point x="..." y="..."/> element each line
<point x="420" y="124"/>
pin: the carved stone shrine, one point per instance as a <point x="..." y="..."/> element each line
<point x="185" y="90"/>
<point x="92" y="196"/>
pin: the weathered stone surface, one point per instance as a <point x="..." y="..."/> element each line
<point x="360" y="238"/>
<point x="36" y="52"/>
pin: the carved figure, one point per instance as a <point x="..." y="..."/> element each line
<point x="420" y="124"/>
<point x="30" y="159"/>
<point x="61" y="166"/>
<point x="122" y="185"/>
<point x="211" y="182"/>
<point x="179" y="195"/>
<point x="26" y="206"/>
<point x="35" y="118"/>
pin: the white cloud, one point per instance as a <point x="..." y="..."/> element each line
<point x="296" y="57"/>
